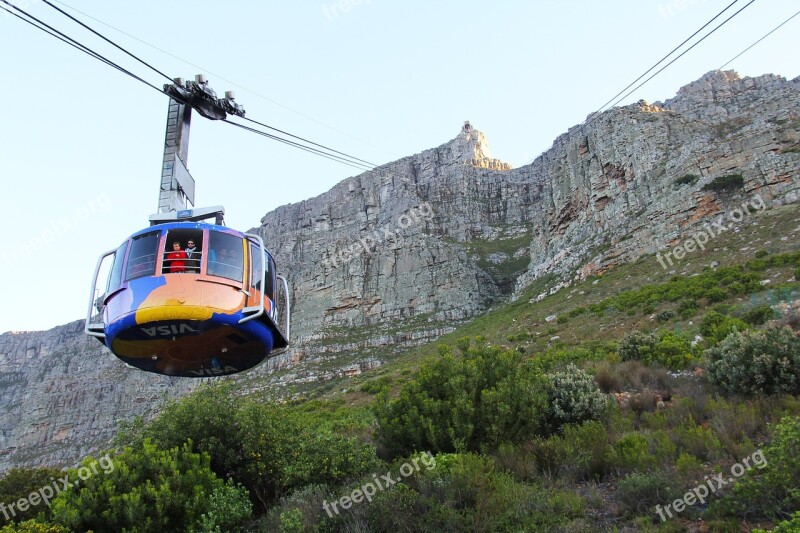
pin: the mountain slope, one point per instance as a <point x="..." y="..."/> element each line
<point x="403" y="254"/>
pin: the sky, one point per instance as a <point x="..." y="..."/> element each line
<point x="81" y="144"/>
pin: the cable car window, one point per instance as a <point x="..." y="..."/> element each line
<point x="255" y="260"/>
<point x="270" y="289"/>
<point x="225" y="258"/>
<point x="142" y="258"/>
<point x="115" y="278"/>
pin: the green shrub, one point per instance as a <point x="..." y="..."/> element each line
<point x="666" y="316"/>
<point x="33" y="526"/>
<point x="698" y="441"/>
<point x="725" y="183"/>
<point x="771" y="487"/>
<point x="661" y="446"/>
<point x="517" y="460"/>
<point x="470" y="487"/>
<point x="715" y="294"/>
<point x="589" y="451"/>
<point x="18" y="483"/>
<point x="716" y="326"/>
<point x="761" y="253"/>
<point x="736" y="423"/>
<point x="153" y="490"/>
<point x="632" y="454"/>
<point x="687" y="309"/>
<point x="639" y="493"/>
<point x="577" y="312"/>
<point x="759" y="315"/>
<point x="404" y="509"/>
<point x="673" y="350"/>
<point x="787" y="526"/>
<point x="475" y="401"/>
<point x="573" y="397"/>
<point x="522" y="336"/>
<point x="688" y="466"/>
<point x="376" y="386"/>
<point x="267" y="447"/>
<point x="668" y="349"/>
<point x="757" y="362"/>
<point x="637" y="346"/>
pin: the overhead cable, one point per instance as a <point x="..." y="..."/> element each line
<point x="263" y="97"/>
<point x="148" y="65"/>
<point x="758" y="41"/>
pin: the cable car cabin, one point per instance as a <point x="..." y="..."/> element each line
<point x="218" y="310"/>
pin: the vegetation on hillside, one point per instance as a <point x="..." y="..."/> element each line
<point x="691" y="378"/>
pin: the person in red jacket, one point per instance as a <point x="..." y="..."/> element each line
<point x="176" y="258"/>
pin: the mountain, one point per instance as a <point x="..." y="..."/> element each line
<point x="402" y="254"/>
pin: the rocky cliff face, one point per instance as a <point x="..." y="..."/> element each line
<point x="627" y="182"/>
<point x="402" y="254"/>
<point x="64" y="395"/>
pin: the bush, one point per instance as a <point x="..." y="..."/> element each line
<point x="640" y="493"/>
<point x="716" y="326"/>
<point x="268" y="448"/>
<point x="637" y="346"/>
<point x="771" y="489"/>
<point x="589" y="451"/>
<point x="715" y="294"/>
<point x="152" y="490"/>
<point x="666" y="316"/>
<point x="725" y="183"/>
<point x="787" y="526"/>
<point x="687" y="309"/>
<point x="376" y="386"/>
<point x="607" y="379"/>
<point x="668" y="349"/>
<point x="32" y="526"/>
<point x="759" y="315"/>
<point x="18" y="483"/>
<point x="574" y="397"/>
<point x="757" y="362"/>
<point x="632" y="454"/>
<point x="688" y="466"/>
<point x="577" y="312"/>
<point x="698" y="441"/>
<point x="465" y="492"/>
<point x="673" y="350"/>
<point x="466" y="403"/>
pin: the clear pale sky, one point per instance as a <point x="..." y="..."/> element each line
<point x="81" y="144"/>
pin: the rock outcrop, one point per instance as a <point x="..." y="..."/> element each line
<point x="401" y="254"/>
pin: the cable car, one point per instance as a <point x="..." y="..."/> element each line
<point x="221" y="311"/>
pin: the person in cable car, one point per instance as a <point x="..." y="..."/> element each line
<point x="192" y="257"/>
<point x="176" y="259"/>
